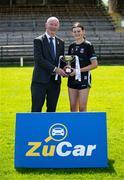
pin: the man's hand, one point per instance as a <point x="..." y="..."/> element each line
<point x="60" y="72"/>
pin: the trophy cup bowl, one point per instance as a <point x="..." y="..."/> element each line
<point x="68" y="59"/>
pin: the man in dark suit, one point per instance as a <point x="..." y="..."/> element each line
<point x="46" y="78"/>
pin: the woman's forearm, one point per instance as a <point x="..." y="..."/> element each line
<point x="92" y="66"/>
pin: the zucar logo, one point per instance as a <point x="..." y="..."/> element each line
<point x="58" y="132"/>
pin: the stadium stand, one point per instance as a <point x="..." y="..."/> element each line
<point x="21" y="24"/>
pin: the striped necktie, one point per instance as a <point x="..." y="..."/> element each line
<point x="52" y="47"/>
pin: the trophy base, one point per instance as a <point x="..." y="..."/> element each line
<point x="68" y="70"/>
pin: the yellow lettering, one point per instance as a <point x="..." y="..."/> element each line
<point x="35" y="145"/>
<point x="51" y="151"/>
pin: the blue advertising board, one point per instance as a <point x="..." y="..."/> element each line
<point x="60" y="140"/>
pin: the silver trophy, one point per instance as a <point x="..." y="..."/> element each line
<point x="68" y="59"/>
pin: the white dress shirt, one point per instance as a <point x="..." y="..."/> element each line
<point x="54" y="42"/>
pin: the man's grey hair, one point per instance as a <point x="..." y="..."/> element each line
<point x="52" y="18"/>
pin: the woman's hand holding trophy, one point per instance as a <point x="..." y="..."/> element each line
<point x="68" y="59"/>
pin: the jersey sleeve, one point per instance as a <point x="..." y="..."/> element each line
<point x="92" y="54"/>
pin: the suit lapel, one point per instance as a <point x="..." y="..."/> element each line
<point x="57" y="47"/>
<point x="47" y="45"/>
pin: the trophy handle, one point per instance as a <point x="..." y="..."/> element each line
<point x="61" y="56"/>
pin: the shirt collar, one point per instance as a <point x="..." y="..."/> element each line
<point x="48" y="36"/>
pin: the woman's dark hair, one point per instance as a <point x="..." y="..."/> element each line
<point x="77" y="24"/>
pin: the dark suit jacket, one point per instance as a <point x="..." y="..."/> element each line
<point x="44" y="63"/>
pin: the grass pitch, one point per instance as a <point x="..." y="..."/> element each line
<point x="107" y="94"/>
